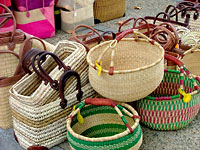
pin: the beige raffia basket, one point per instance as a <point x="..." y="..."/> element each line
<point x="13" y="72"/>
<point x="191" y="59"/>
<point x="38" y="118"/>
<point x="105" y="10"/>
<point x="128" y="69"/>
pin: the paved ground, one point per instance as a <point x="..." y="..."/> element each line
<point x="185" y="139"/>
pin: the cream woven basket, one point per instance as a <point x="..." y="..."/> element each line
<point x="38" y="118"/>
<point x="12" y="62"/>
<point x="128" y="69"/>
<point x="191" y="59"/>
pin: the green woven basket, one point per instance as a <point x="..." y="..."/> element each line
<point x="103" y="127"/>
<point x="168" y="108"/>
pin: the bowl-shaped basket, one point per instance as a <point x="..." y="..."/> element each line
<point x="126" y="70"/>
<point x="104" y="128"/>
<point x="169" y="107"/>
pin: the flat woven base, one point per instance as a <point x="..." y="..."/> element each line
<point x="169" y="114"/>
<point x="103" y="121"/>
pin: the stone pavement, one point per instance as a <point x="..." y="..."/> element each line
<point x="185" y="139"/>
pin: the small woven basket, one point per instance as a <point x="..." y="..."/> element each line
<point x="191" y="60"/>
<point x="128" y="69"/>
<point x="170" y="108"/>
<point x="105" y="10"/>
<point x="103" y="127"/>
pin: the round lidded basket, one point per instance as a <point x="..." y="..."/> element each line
<point x="104" y="127"/>
<point x="126" y="69"/>
<point x="175" y="103"/>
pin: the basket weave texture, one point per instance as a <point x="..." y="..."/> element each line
<point x="165" y="108"/>
<point x="130" y="70"/>
<point x="38" y="118"/>
<point x="105" y="10"/>
<point x="104" y="129"/>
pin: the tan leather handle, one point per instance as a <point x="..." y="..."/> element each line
<point x="82" y="38"/>
<point x="7" y="16"/>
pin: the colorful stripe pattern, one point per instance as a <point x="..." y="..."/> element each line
<point x="105" y="129"/>
<point x="170" y="114"/>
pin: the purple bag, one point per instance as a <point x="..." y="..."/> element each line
<point x="22" y="5"/>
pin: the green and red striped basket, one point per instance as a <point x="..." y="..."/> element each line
<point x="169" y="107"/>
<point x="104" y="128"/>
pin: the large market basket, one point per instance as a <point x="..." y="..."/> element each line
<point x="38" y="113"/>
<point x="103" y="127"/>
<point x="126" y="69"/>
<point x="175" y="103"/>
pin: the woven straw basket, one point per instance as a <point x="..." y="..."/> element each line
<point x="11" y="77"/>
<point x="191" y="59"/>
<point x="103" y="127"/>
<point x="38" y="118"/>
<point x="168" y="108"/>
<point x="105" y="10"/>
<point x="128" y="69"/>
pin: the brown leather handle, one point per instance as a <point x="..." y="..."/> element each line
<point x="166" y="28"/>
<point x="126" y="21"/>
<point x="103" y="34"/>
<point x="170" y="40"/>
<point x="29" y="59"/>
<point x="26" y="46"/>
<point x="100" y="102"/>
<point x="183" y="4"/>
<point x="173" y="59"/>
<point x="174" y="9"/>
<point x="7" y="16"/>
<point x="165" y="20"/>
<point x="63" y="79"/>
<point x="170" y="63"/>
<point x="142" y="26"/>
<point x="44" y="75"/>
<point x="85" y="36"/>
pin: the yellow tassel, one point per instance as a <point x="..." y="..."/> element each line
<point x="99" y="67"/>
<point x="186" y="97"/>
<point x="79" y="116"/>
<point x="177" y="46"/>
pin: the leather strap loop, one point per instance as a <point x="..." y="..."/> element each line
<point x="63" y="79"/>
<point x="8" y="15"/>
<point x="82" y="39"/>
<point x="44" y="75"/>
<point x="102" y="35"/>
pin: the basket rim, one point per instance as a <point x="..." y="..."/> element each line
<point x="102" y="139"/>
<point x="130" y="70"/>
<point x="190" y="52"/>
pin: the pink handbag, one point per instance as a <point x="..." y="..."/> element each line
<point x="21" y="5"/>
<point x="37" y="22"/>
<point x="8" y="26"/>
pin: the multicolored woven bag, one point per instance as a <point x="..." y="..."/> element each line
<point x="169" y="107"/>
<point x="103" y="127"/>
